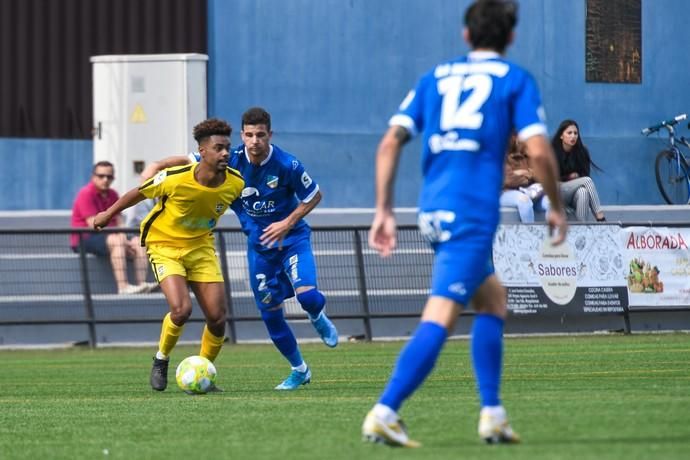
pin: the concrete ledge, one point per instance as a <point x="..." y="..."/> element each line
<point x="625" y="215"/>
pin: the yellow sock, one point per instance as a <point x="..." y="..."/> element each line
<point x="170" y="333"/>
<point x="210" y="345"/>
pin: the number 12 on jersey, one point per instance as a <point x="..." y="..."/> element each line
<point x="465" y="114"/>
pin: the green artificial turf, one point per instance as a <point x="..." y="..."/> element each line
<point x="580" y="397"/>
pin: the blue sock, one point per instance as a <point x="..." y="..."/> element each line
<point x="487" y="357"/>
<point x="312" y="301"/>
<point x="282" y="336"/>
<point x="415" y="362"/>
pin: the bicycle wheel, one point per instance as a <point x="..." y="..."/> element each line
<point x="672" y="177"/>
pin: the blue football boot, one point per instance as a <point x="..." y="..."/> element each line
<point x="326" y="330"/>
<point x="295" y="379"/>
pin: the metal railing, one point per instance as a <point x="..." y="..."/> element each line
<point x="43" y="281"/>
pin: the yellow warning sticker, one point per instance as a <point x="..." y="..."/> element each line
<point x="138" y="116"/>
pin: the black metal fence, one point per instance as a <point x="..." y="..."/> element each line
<point x="44" y="282"/>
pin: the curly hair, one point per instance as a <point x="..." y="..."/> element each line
<point x="211" y="127"/>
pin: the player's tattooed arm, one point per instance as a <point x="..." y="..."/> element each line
<point x="401" y="134"/>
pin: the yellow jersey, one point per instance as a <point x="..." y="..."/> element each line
<point x="186" y="211"/>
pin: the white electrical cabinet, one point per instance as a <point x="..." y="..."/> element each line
<point x="144" y="109"/>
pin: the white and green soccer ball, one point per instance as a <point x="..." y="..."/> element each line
<point x="195" y="375"/>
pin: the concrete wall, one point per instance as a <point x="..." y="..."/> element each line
<point x="331" y="72"/>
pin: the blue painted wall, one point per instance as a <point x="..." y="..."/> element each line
<point x="331" y="72"/>
<point x="42" y="173"/>
<point x="611" y="115"/>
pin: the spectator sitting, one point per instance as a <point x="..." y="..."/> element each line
<point x="97" y="196"/>
<point x="135" y="216"/>
<point x="574" y="163"/>
<point x="519" y="187"/>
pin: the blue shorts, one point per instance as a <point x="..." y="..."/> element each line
<point x="274" y="274"/>
<point x="94" y="244"/>
<point x="460" y="266"/>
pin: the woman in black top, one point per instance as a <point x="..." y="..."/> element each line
<point x="577" y="188"/>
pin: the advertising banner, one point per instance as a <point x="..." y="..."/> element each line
<point x="585" y="274"/>
<point x="657" y="264"/>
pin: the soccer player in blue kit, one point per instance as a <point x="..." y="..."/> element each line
<point x="281" y="261"/>
<point x="465" y="110"/>
<point x="280" y="258"/>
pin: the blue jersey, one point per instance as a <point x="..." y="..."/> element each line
<point x="465" y="110"/>
<point x="272" y="190"/>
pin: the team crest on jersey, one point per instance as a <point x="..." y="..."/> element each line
<point x="219" y="207"/>
<point x="271" y="181"/>
<point x="295" y="164"/>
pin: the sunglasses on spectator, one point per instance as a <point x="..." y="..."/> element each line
<point x="105" y="176"/>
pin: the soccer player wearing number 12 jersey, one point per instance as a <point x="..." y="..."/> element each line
<point x="465" y="110"/>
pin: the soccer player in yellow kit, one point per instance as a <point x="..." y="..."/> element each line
<point x="179" y="240"/>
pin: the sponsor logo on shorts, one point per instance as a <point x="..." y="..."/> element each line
<point x="434" y="225"/>
<point x="293" y="268"/>
<point x="267" y="298"/>
<point x="457" y="288"/>
<point x="161" y="270"/>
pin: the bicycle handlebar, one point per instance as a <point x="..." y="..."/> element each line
<point x="663" y="124"/>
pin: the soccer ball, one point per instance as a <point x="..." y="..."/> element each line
<point x="195" y="375"/>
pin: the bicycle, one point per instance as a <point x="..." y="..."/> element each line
<point x="671" y="166"/>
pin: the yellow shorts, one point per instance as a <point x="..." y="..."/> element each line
<point x="199" y="263"/>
